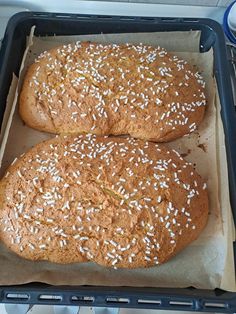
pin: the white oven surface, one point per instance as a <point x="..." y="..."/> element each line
<point x="8" y="8"/>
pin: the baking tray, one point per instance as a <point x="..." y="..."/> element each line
<point x="49" y="24"/>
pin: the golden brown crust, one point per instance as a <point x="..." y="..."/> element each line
<point x="117" y="202"/>
<point x="113" y="89"/>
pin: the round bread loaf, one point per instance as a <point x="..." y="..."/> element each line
<point x="114" y="89"/>
<point x="117" y="202"/>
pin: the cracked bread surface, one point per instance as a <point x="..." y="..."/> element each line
<point x="111" y="89"/>
<point x="119" y="202"/>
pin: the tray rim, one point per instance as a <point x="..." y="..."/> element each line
<point x="198" y="298"/>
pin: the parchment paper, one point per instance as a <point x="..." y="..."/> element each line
<point x="208" y="262"/>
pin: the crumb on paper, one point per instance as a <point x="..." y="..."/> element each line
<point x="203" y="147"/>
<point x="186" y="154"/>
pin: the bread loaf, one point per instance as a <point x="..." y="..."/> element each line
<point x="114" y="89"/>
<point x="114" y="201"/>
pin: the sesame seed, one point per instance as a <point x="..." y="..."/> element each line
<point x="147" y="258"/>
<point x="84" y="238"/>
<point x="159" y="199"/>
<point x="167" y="225"/>
<point x="115" y="261"/>
<point x="110" y="255"/>
<point x="113" y="243"/>
<point x="31" y="246"/>
<point x="19" y="174"/>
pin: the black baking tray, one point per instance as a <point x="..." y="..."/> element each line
<point x="13" y="46"/>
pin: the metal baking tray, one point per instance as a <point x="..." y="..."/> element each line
<point x="13" y="46"/>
